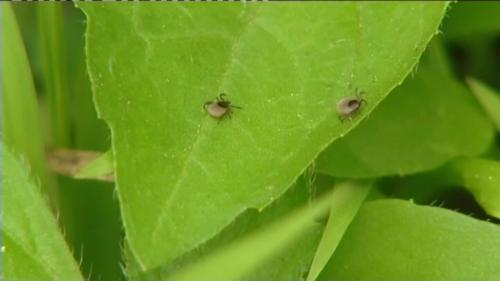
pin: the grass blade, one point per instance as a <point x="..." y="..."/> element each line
<point x="347" y="199"/>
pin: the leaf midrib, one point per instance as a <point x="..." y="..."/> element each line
<point x="200" y="136"/>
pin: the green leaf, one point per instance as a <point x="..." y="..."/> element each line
<point x="90" y="216"/>
<point x="100" y="168"/>
<point x="244" y="256"/>
<point x="20" y="119"/>
<point x="286" y="265"/>
<point x="174" y="163"/>
<point x="488" y="98"/>
<point x="481" y="177"/>
<point x="423" y="124"/>
<point x="397" y="240"/>
<point x="347" y="200"/>
<point x="34" y="248"/>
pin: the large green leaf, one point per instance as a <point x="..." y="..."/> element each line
<point x="181" y="175"/>
<point x="423" y="124"/>
<point x="397" y="240"/>
<point x="34" y="248"/>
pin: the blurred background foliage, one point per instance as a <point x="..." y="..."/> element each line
<point x="88" y="211"/>
<point x="53" y="34"/>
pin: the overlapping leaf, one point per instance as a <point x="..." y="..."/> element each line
<point x="397" y="240"/>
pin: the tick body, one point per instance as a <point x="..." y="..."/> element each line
<point x="348" y="107"/>
<point x="220" y="107"/>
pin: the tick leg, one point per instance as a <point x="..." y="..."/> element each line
<point x="206" y="104"/>
<point x="222" y="97"/>
<point x="235" y="106"/>
<point x="359" y="94"/>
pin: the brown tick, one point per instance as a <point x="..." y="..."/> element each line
<point x="220" y="107"/>
<point x="347" y="107"/>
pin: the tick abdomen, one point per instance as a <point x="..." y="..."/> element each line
<point x="348" y="106"/>
<point x="216" y="110"/>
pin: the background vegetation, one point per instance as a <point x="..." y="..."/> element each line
<point x="406" y="189"/>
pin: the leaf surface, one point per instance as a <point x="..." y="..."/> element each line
<point x="397" y="240"/>
<point x="258" y="246"/>
<point x="285" y="265"/>
<point x="182" y="176"/>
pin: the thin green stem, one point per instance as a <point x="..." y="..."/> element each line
<point x="50" y="17"/>
<point x="20" y="117"/>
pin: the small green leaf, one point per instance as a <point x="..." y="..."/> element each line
<point x="99" y="168"/>
<point x="488" y="98"/>
<point x="347" y="200"/>
<point x="285" y="65"/>
<point x="395" y="240"/>
<point x="243" y="257"/>
<point x="34" y="248"/>
<point x="423" y="124"/>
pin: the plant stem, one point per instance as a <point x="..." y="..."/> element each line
<point x="52" y="56"/>
<point x="21" y="128"/>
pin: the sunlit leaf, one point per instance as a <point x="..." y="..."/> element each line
<point x="182" y="176"/>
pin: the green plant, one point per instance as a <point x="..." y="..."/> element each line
<point x="282" y="190"/>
